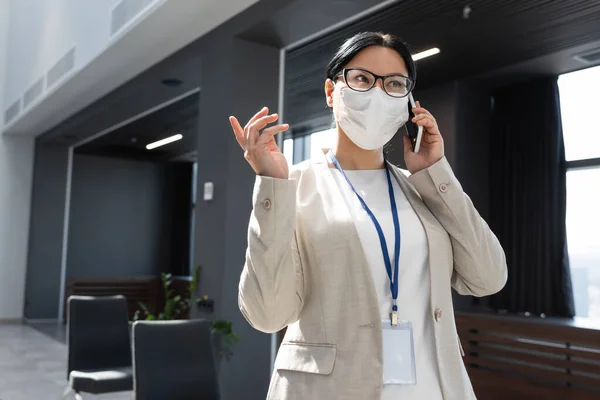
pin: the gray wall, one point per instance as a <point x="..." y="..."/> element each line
<point x="126" y="219"/>
<point x="116" y="225"/>
<point x="221" y="225"/>
<point x="46" y="231"/>
<point x="442" y="102"/>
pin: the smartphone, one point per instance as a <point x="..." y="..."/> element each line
<point x="414" y="132"/>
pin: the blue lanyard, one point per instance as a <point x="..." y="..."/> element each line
<point x="386" y="256"/>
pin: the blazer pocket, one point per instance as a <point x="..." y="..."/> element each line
<point x="312" y="358"/>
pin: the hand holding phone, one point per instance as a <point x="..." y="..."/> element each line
<point x="414" y="138"/>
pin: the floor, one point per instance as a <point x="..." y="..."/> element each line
<point x="53" y="329"/>
<point x="33" y="366"/>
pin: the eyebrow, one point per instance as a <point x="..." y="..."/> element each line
<point x="368" y="70"/>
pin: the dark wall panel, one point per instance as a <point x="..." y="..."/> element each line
<point x="221" y="224"/>
<point x="472" y="146"/>
<point x="441" y="102"/>
<point x="116" y="224"/>
<point x="46" y="231"/>
<point x="177" y="216"/>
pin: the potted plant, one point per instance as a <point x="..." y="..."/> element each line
<point x="178" y="307"/>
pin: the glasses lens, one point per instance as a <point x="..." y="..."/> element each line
<point x="397" y="85"/>
<point x="359" y="80"/>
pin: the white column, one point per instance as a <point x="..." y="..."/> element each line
<point x="16" y="168"/>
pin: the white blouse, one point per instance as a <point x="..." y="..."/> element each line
<point x="414" y="286"/>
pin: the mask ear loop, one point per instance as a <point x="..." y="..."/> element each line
<point x="419" y="129"/>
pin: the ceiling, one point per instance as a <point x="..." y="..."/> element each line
<point x="500" y="41"/>
<point x="496" y="34"/>
<point x="129" y="141"/>
<point x="291" y="25"/>
<point x="142" y="46"/>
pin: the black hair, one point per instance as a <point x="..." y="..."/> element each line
<point x="361" y="41"/>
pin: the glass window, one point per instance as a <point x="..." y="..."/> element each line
<point x="583" y="237"/>
<point x="578" y="104"/>
<point x="288" y="151"/>
<point x="304" y="147"/>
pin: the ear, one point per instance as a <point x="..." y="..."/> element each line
<point x="329" y="88"/>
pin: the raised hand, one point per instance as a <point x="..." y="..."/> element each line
<point x="432" y="143"/>
<point x="260" y="149"/>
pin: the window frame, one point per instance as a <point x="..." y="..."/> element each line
<point x="572" y="165"/>
<point x="583" y="163"/>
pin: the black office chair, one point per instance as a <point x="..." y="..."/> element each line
<point x="174" y="360"/>
<point x="99" y="345"/>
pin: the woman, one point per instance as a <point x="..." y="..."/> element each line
<point x="355" y="259"/>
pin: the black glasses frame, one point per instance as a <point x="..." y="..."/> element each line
<point x="344" y="74"/>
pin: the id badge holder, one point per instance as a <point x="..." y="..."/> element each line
<point x="398" y="354"/>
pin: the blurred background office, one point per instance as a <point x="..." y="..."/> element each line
<point x="120" y="176"/>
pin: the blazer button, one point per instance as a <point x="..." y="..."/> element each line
<point x="443" y="188"/>
<point x="437" y="314"/>
<point x="267" y="204"/>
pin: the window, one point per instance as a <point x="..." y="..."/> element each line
<point x="302" y="148"/>
<point x="288" y="151"/>
<point x="579" y="107"/>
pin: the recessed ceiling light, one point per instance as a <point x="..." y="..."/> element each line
<point x="172" y="82"/>
<point x="164" y="141"/>
<point x="426" y="53"/>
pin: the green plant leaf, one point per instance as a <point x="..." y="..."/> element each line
<point x="224" y="329"/>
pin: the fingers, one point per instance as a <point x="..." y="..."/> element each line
<point x="425" y="120"/>
<point x="238" y="131"/>
<point x="421" y="111"/>
<point x="253" y="129"/>
<point x="263" y="112"/>
<point x="273" y="146"/>
<point x="267" y="134"/>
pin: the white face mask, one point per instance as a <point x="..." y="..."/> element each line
<point x="370" y="119"/>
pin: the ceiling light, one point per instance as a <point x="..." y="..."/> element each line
<point x="164" y="141"/>
<point x="426" y="53"/>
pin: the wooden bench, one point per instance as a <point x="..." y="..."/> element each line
<point x="531" y="358"/>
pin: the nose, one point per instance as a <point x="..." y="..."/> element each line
<point x="379" y="83"/>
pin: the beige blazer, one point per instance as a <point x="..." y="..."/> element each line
<point x="306" y="270"/>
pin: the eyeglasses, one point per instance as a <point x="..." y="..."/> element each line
<point x="362" y="80"/>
